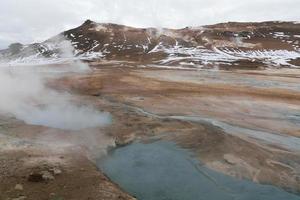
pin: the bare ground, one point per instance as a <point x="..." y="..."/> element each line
<point x="140" y="101"/>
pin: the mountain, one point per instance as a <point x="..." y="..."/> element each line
<point x="251" y="45"/>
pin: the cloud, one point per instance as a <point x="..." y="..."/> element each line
<point x="29" y="21"/>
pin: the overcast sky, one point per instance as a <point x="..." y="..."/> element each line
<point x="28" y="21"/>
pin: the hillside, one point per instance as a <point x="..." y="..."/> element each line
<point x="250" y="45"/>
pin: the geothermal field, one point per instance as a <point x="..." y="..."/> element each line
<point x="106" y="111"/>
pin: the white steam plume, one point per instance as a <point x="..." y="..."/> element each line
<point x="24" y="95"/>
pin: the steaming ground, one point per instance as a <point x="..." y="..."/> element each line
<point x="43" y="129"/>
<point x="238" y="117"/>
<point x="25" y="96"/>
<point x="243" y="123"/>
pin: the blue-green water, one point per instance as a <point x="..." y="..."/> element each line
<point x="163" y="171"/>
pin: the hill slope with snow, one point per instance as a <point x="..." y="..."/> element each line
<point x="250" y="45"/>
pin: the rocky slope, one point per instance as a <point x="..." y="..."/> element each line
<point x="251" y="45"/>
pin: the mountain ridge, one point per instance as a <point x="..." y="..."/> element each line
<point x="259" y="44"/>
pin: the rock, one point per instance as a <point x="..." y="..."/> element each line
<point x="47" y="175"/>
<point x="19" y="187"/>
<point x="55" y="171"/>
<point x="20" y="198"/>
<point x="40" y="176"/>
<point x="231" y="159"/>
